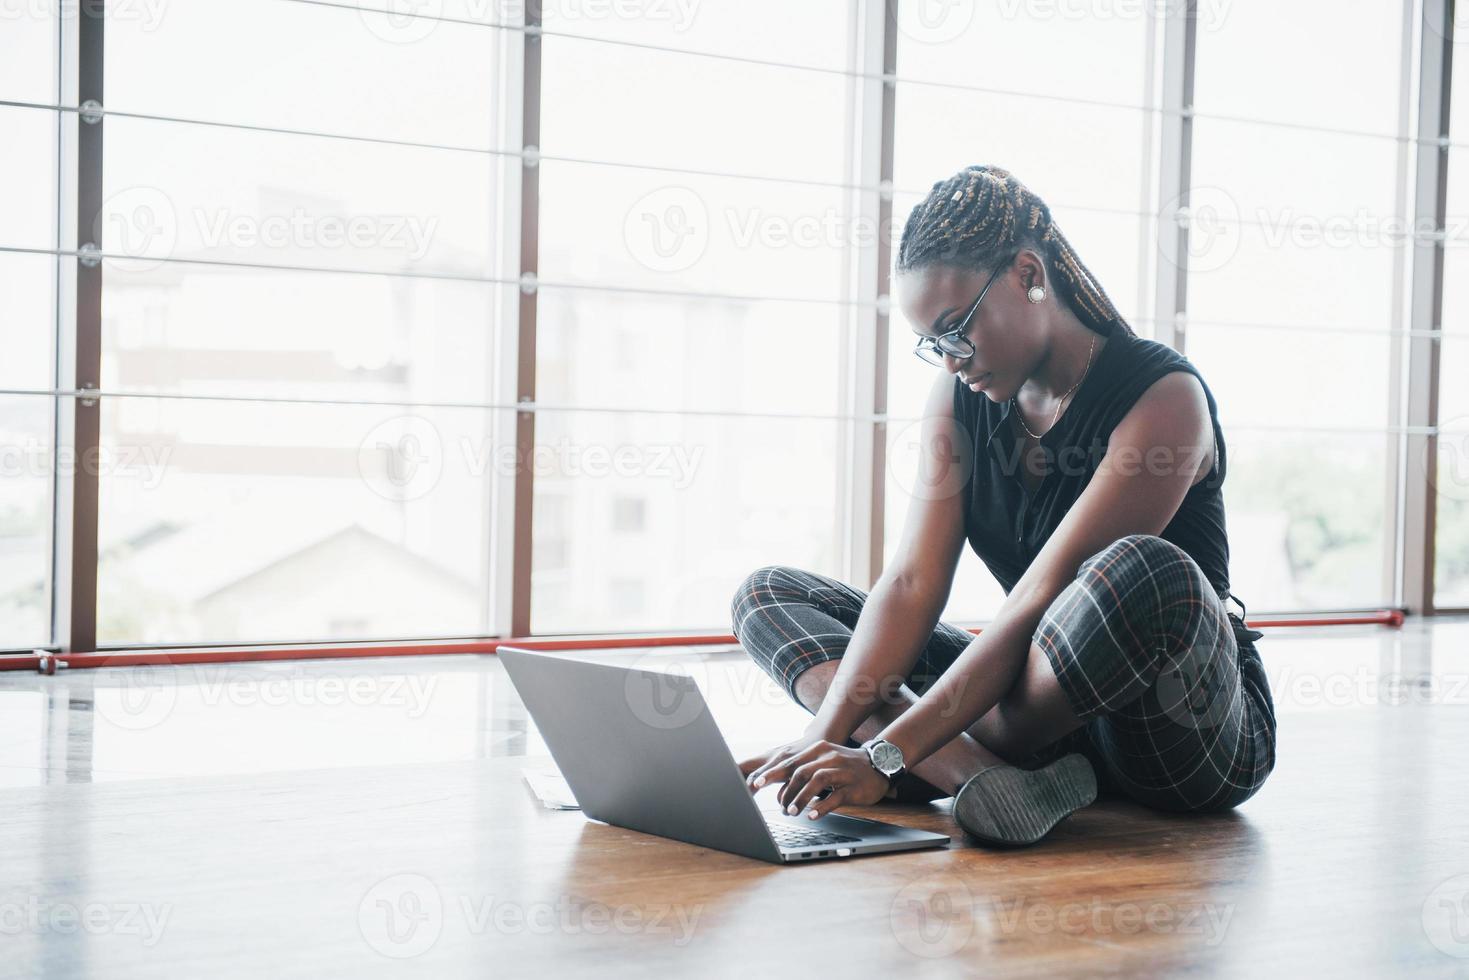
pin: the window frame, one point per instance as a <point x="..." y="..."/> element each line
<point x="1413" y="374"/>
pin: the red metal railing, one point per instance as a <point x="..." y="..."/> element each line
<point x="48" y="663"/>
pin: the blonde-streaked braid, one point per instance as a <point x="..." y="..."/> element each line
<point x="980" y="218"/>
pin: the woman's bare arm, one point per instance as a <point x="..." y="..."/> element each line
<point x="904" y="605"/>
<point x="1151" y="461"/>
<point x="1128" y="494"/>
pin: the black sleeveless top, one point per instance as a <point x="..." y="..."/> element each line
<point x="1007" y="525"/>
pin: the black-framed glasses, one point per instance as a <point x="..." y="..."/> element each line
<point x="954" y="343"/>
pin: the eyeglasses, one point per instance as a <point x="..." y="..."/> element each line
<point x="954" y="343"/>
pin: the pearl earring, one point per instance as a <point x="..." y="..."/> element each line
<point x="1036" y="293"/>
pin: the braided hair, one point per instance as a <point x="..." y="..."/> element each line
<point x="982" y="217"/>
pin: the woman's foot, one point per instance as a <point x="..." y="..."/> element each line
<point x="1012" y="806"/>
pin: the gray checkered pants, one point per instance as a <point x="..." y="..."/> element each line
<point x="1175" y="705"/>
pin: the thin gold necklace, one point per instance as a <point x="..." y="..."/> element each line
<point x="1062" y="400"/>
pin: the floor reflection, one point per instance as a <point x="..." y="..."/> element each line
<point x="151" y="722"/>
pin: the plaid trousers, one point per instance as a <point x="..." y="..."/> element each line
<point x="1176" y="710"/>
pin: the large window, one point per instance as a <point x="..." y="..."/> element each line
<point x="29" y="229"/>
<point x="1077" y="133"/>
<point x="1451" y="483"/>
<point x="693" y="311"/>
<point x="321" y="340"/>
<point x="1291" y="301"/>
<point x="300" y="314"/>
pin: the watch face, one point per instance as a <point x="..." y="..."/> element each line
<point x="887" y="757"/>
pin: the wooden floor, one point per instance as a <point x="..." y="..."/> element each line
<point x="251" y="821"/>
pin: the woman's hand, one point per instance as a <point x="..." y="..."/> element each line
<point x="845" y="777"/>
<point x="756" y="763"/>
<point x="763" y="759"/>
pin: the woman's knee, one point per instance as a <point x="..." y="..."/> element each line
<point x="782" y="617"/>
<point x="1146" y="569"/>
<point x="1135" y="549"/>
<point x="1222" y="799"/>
<point x="780" y="586"/>
<point x="1132" y="607"/>
<point x="762" y="621"/>
<point x="768" y="583"/>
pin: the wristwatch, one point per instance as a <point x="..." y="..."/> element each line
<point x="886" y="758"/>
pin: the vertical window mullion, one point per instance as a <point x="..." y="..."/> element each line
<point x="1430" y="195"/>
<point x="1180" y="31"/>
<point x="79" y="350"/>
<point x="1396" y="458"/>
<point x="863" y="386"/>
<point x="525" y="427"/>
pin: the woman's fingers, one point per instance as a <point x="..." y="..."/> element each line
<point x="804" y="776"/>
<point x="779" y="770"/>
<point x="796" y="782"/>
<point x="747" y="766"/>
<point x="762" y="775"/>
<point x="820" y="808"/>
<point x="820" y="781"/>
<point x="756" y="776"/>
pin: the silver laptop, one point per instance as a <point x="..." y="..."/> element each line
<point x="640" y="750"/>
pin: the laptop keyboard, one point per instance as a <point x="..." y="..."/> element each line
<point x="787" y="836"/>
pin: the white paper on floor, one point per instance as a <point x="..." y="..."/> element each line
<point x="551" y="789"/>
